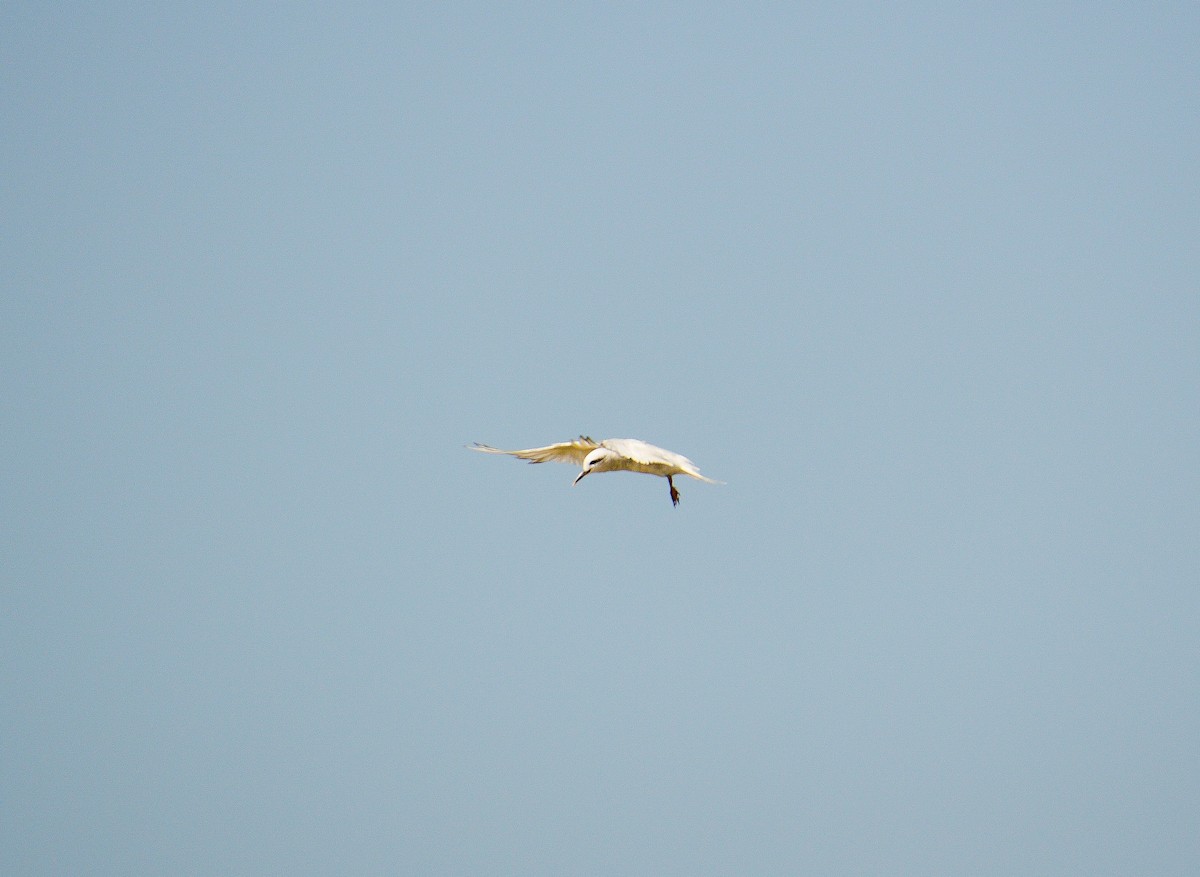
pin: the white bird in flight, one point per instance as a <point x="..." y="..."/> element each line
<point x="610" y="455"/>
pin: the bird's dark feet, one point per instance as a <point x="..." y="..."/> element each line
<point x="674" y="492"/>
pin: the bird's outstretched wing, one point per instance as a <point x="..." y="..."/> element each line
<point x="563" y="452"/>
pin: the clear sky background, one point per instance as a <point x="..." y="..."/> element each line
<point x="920" y="282"/>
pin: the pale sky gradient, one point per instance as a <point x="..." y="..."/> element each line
<point x="920" y="282"/>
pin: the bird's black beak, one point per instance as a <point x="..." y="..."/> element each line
<point x="580" y="475"/>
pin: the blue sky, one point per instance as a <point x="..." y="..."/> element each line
<point x="918" y="281"/>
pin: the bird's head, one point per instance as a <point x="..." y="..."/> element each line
<point x="596" y="461"/>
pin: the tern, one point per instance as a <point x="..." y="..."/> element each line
<point x="610" y="455"/>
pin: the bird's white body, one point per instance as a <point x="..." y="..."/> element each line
<point x="611" y="455"/>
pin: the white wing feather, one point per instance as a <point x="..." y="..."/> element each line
<point x="563" y="452"/>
